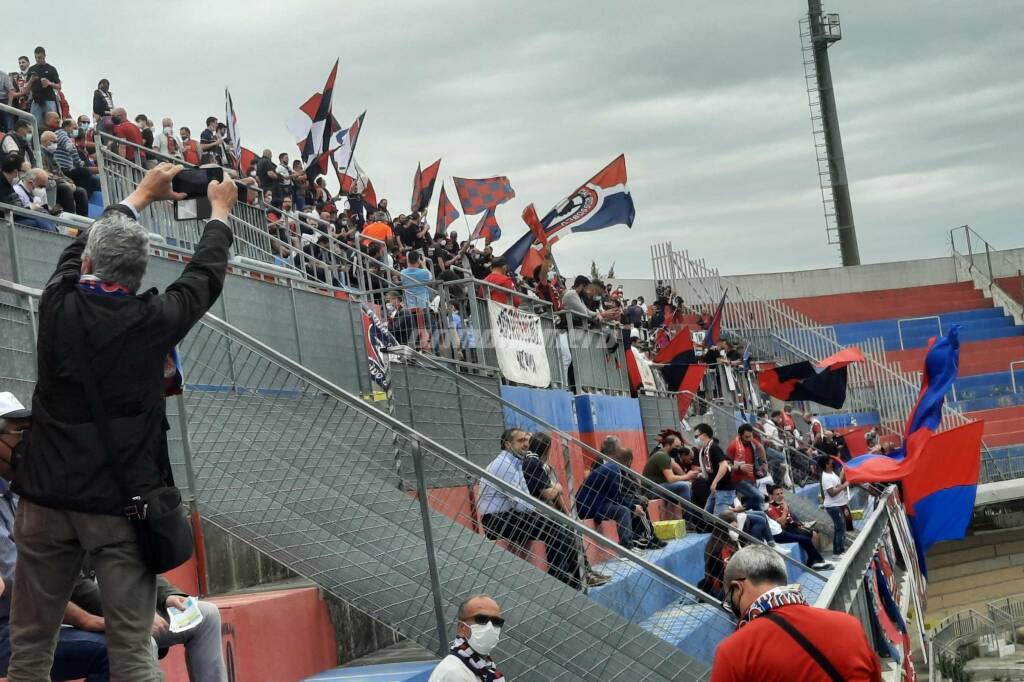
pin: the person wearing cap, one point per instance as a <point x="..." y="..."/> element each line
<point x="82" y="648"/>
<point x="499" y="278"/>
<point x="74" y="489"/>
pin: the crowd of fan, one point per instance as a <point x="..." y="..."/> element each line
<point x="742" y="485"/>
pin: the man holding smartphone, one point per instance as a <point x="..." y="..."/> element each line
<point x="71" y="501"/>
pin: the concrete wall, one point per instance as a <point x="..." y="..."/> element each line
<point x="839" y="280"/>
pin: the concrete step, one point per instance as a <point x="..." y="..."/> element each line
<point x="998" y="537"/>
<point x="975" y="594"/>
<point x="284" y="635"/>
<point x="993" y="563"/>
<point x="1013" y="286"/>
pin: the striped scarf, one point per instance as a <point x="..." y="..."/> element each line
<point x="481" y="666"/>
<point x="783" y="595"/>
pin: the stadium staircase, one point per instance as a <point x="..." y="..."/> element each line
<point x="991" y="381"/>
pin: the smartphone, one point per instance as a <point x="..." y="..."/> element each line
<point x="194" y="181"/>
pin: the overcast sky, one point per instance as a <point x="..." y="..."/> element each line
<point x="706" y="100"/>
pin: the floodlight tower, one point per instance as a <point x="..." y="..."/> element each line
<point x="818" y="31"/>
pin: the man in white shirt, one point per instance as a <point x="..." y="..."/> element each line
<point x="167" y="143"/>
<point x="837" y="497"/>
<point x="479" y="628"/>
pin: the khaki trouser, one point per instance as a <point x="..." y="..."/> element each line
<point x="51" y="545"/>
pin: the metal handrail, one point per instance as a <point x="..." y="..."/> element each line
<point x="568" y="438"/>
<point x="895" y="390"/>
<point x="899" y="325"/>
<point x="367" y="409"/>
<point x="1013" y="378"/>
<point x="987" y="274"/>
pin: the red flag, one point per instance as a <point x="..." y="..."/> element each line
<point x="245" y="160"/>
<point x="533" y="222"/>
<point x="487" y="228"/>
<point x="534" y="257"/>
<point x="423" y="185"/>
<point x="856" y="441"/>
<point x="446" y="213"/>
<point x="843" y="358"/>
<point x="636" y="382"/>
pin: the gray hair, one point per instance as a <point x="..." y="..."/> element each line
<point x="610" y="445"/>
<point x="119" y="249"/>
<point x="759" y="564"/>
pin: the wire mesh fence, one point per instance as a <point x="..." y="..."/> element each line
<point x="308" y="474"/>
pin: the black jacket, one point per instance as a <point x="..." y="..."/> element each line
<point x="63" y="465"/>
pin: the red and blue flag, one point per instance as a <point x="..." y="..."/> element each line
<point x="940" y="489"/>
<point x="487" y="228"/>
<point x="940" y="370"/>
<point x="423" y="185"/>
<point x="446" y="213"/>
<point x="478" y="195"/>
<point x="602" y="201"/>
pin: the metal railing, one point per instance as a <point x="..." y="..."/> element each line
<point x="780" y="332"/>
<point x="1013" y="377"/>
<point x="586" y="455"/>
<point x="974" y="257"/>
<point x="899" y="325"/>
<point x="263" y="435"/>
<point x="977" y="632"/>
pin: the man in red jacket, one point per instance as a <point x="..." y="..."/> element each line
<point x="782" y="638"/>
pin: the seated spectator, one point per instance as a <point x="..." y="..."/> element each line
<point x="518" y="522"/>
<point x="82" y="648"/>
<point x="20" y="141"/>
<point x="662" y="468"/>
<point x="792" y="530"/>
<point x="604" y="496"/>
<point x="31" y="193"/>
<point x="69" y="197"/>
<point x="543" y="483"/>
<point x="499" y="278"/>
<point x="774" y="447"/>
<point x="10" y="169"/>
<point x="722" y="544"/>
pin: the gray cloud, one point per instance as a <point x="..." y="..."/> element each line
<point x="707" y="102"/>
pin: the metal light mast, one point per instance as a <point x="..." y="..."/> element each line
<point x="817" y="32"/>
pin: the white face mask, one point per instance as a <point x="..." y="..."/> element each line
<point x="51" y="147"/>
<point x="168" y="131"/>
<point x="484" y="638"/>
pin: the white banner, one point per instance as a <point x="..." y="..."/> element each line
<point x="646" y="373"/>
<point x="519" y="344"/>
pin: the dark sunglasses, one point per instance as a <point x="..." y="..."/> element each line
<point x="483" y="619"/>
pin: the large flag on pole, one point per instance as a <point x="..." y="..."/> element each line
<point x="346" y="143"/>
<point x="478" y="195"/>
<point x="423" y="185"/>
<point x="446" y="213"/>
<point x="940" y="370"/>
<point x="245" y="161"/>
<point x="314" y="126"/>
<point x="682" y="370"/>
<point x="602" y="201"/>
<point x="802" y="381"/>
<point x="231" y="120"/>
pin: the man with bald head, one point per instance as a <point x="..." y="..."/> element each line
<point x="126" y="130"/>
<point x="266" y="173"/>
<point x="167" y="143"/>
<point x="30" y="190"/>
<point x="479" y="624"/>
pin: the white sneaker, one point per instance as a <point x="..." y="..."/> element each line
<point x="822" y="566"/>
